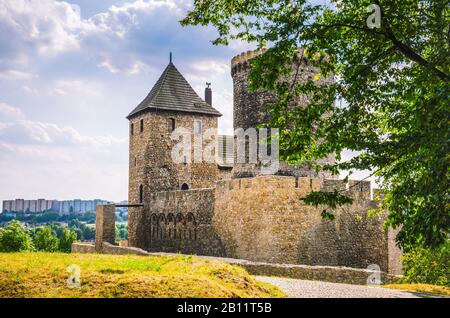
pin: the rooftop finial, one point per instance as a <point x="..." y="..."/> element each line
<point x="170" y="57"/>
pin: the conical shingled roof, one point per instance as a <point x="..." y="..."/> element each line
<point x="172" y="92"/>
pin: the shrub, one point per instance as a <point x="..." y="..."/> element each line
<point x="14" y="238"/>
<point x="45" y="240"/>
<point x="422" y="265"/>
<point x="66" y="240"/>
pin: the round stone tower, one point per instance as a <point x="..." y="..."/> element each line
<point x="249" y="111"/>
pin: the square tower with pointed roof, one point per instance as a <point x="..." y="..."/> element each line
<point x="171" y="104"/>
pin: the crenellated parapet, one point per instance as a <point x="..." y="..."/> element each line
<point x="357" y="189"/>
<point x="242" y="61"/>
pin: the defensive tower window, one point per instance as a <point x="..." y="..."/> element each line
<point x="131" y="129"/>
<point x="184" y="186"/>
<point x="142" y="125"/>
<point x="171" y="125"/>
<point x="141" y="193"/>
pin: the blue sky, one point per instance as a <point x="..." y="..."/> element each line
<point x="70" y="71"/>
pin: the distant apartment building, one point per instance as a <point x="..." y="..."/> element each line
<point x="33" y="206"/>
<point x="19" y="204"/>
<point x="41" y="205"/>
<point x="8" y="206"/>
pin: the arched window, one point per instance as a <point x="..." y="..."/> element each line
<point x="184" y="186"/>
<point x="141" y="193"/>
<point x="171" y="125"/>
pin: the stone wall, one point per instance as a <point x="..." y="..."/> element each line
<point x="176" y="221"/>
<point x="83" y="248"/>
<point x="264" y="219"/>
<point x="105" y="225"/>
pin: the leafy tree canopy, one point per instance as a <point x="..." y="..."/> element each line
<point x="45" y="240"/>
<point x="15" y="238"/>
<point x="393" y="81"/>
<point x="66" y="239"/>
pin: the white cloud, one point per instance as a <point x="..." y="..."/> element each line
<point x="47" y="27"/>
<point x="47" y="160"/>
<point x="210" y="66"/>
<point x="15" y="128"/>
<point x="16" y="75"/>
<point x="8" y="112"/>
<point x="30" y="90"/>
<point x="77" y="86"/>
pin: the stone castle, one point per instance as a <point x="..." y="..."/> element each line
<point x="230" y="209"/>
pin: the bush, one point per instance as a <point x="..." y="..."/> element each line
<point x="45" y="240"/>
<point x="14" y="238"/>
<point x="427" y="266"/>
<point x="66" y="240"/>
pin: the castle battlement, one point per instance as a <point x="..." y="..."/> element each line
<point x="356" y="189"/>
<point x="242" y="61"/>
<point x="244" y="58"/>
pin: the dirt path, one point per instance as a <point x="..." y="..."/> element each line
<point x="296" y="288"/>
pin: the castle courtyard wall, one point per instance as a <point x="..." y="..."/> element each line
<point x="264" y="219"/>
<point x="176" y="221"/>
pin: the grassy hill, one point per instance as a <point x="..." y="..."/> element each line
<point x="46" y="274"/>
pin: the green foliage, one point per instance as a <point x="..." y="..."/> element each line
<point x="14" y="238"/>
<point x="424" y="265"/>
<point x="50" y="217"/>
<point x="66" y="239"/>
<point x="45" y="240"/>
<point x="393" y="81"/>
<point x="121" y="232"/>
<point x="46" y="217"/>
<point x="331" y="199"/>
<point x="88" y="217"/>
<point x="83" y="231"/>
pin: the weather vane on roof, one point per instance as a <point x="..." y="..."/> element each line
<point x="208" y="84"/>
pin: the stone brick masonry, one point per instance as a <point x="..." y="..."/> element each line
<point x="263" y="219"/>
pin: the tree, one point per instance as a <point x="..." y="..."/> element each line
<point x="393" y="81"/>
<point x="121" y="232"/>
<point x="45" y="240"/>
<point x="66" y="240"/>
<point x="14" y="238"/>
<point x="88" y="232"/>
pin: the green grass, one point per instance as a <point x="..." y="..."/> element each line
<point x="421" y="288"/>
<point x="45" y="275"/>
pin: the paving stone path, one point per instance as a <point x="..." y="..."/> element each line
<point x="297" y="288"/>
